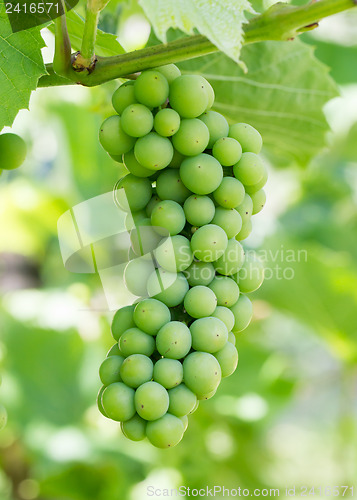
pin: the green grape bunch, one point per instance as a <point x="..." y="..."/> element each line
<point x="193" y="184"/>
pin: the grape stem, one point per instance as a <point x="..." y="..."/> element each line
<point x="281" y="22"/>
<point x="62" y="58"/>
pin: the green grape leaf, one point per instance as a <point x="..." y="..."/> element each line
<point x="221" y="22"/>
<point x="282" y="95"/>
<point x="21" y="66"/>
<point x="106" y="44"/>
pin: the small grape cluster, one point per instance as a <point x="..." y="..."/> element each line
<point x="192" y="185"/>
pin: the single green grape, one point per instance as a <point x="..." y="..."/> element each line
<point x="230" y="193"/>
<point x="12" y="151"/>
<point x="168" y="372"/>
<point x="217" y="126"/>
<point x="250" y="169"/>
<point x="136" y="370"/>
<point x="229" y="220"/>
<point x="245" y="231"/>
<point x="201" y="174"/>
<point x="231" y="337"/>
<point x="99" y="402"/>
<point x="151" y="88"/>
<point x="170" y="71"/>
<point x="137" y="120"/>
<point x="200" y="273"/>
<point x="123" y="97"/>
<point x="200" y="301"/>
<point x="168" y="215"/>
<point x="118" y="402"/>
<point x="135" y="428"/>
<point x="113" y="138"/>
<point x="174" y="340"/>
<point x="152" y="204"/>
<point x="206" y="396"/>
<point x="133" y="193"/>
<point x="258" y="198"/>
<point x="151" y="401"/>
<point x="169" y="186"/>
<point x="251" y="274"/>
<point x="114" y="350"/>
<point x="123" y="320"/>
<point x="209" y="92"/>
<point x="181" y="400"/>
<point x="150" y="315"/>
<point x="177" y="159"/>
<point x="231" y="260"/>
<point x="135" y="341"/>
<point x="228" y="359"/>
<point x="188" y="96"/>
<point x="169" y="288"/>
<point x="153" y="151"/>
<point x="225" y="289"/>
<point x="248" y="137"/>
<point x="257" y="187"/>
<point x="227" y="151"/>
<point x="136" y="275"/>
<point x="209" y="242"/>
<point x="109" y="371"/>
<point x="208" y="334"/>
<point x="243" y="312"/>
<point x="201" y="372"/>
<point x="166" y="432"/>
<point x="245" y="209"/>
<point x="191" y="138"/>
<point x="174" y="254"/>
<point x="167" y="122"/>
<point x="199" y="210"/>
<point x="225" y="315"/>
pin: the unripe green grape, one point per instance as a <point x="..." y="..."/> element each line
<point x="225" y="289"/>
<point x="229" y="220"/>
<point x="134" y="429"/>
<point x="136" y="370"/>
<point x="184" y="420"/>
<point x="174" y="254"/>
<point x="206" y="396"/>
<point x="231" y="260"/>
<point x="230" y="193"/>
<point x="132" y="219"/>
<point x="133" y="193"/>
<point x="135" y="341"/>
<point x="152" y="204"/>
<point x="123" y="97"/>
<point x="258" y="198"/>
<point x="201" y="373"/>
<point x="134" y="166"/>
<point x="199" y="210"/>
<point x="144" y="238"/>
<point x="150" y="315"/>
<point x="251" y="275"/>
<point x="151" y="401"/>
<point x="257" y="187"/>
<point x="118" y="402"/>
<point x="109" y="371"/>
<point x="225" y="315"/>
<point x="114" y="350"/>
<point x="169" y="186"/>
<point x="191" y="138"/>
<point x="228" y="359"/>
<point x="209" y="242"/>
<point x="167" y="122"/>
<point x="245" y="231"/>
<point x="170" y="71"/>
<point x="200" y="301"/>
<point x="174" y="340"/>
<point x="182" y="400"/>
<point x="168" y="215"/>
<point x="202" y="174"/>
<point x="151" y="88"/>
<point x="99" y="402"/>
<point x="210" y="93"/>
<point x="217" y="126"/>
<point x="137" y="120"/>
<point x="166" y="432"/>
<point x="168" y="372"/>
<point x="227" y="151"/>
<point x="169" y="288"/>
<point x="231" y="337"/>
<point x="248" y="137"/>
<point x="249" y="169"/>
<point x="177" y="159"/>
<point x="136" y="274"/>
<point x="153" y="151"/>
<point x="113" y="138"/>
<point x="12" y="151"/>
<point x="243" y="312"/>
<point x="208" y="334"/>
<point x="200" y="273"/>
<point x="245" y="209"/>
<point x="123" y="320"/>
<point x="188" y="96"/>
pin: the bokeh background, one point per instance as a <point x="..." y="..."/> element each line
<point x="287" y="417"/>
